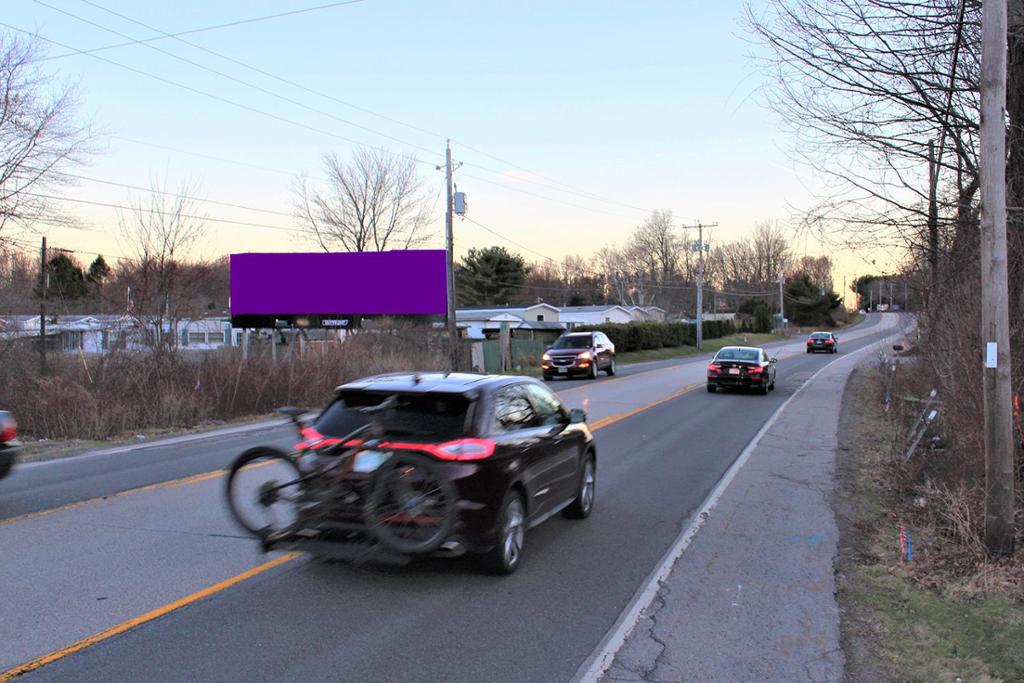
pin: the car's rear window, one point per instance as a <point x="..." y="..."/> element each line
<point x="582" y="341"/>
<point x="739" y="354"/>
<point x="821" y="335"/>
<point x="417" y="416"/>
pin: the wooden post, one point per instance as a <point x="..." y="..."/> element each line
<point x="995" y="322"/>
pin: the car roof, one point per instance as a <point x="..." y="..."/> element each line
<point x="429" y="382"/>
<point x="741" y="348"/>
<point x="578" y="334"/>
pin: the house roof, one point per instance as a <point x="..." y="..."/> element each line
<point x="591" y="309"/>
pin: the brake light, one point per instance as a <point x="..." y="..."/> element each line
<point x="8" y="430"/>
<point x="829" y="341"/>
<point x="714" y="367"/>
<point x="810" y="341"/>
<point x="756" y="370"/>
<point x="465" y="449"/>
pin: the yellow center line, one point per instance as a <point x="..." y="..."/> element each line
<point x="612" y="419"/>
<point x="143" y="618"/>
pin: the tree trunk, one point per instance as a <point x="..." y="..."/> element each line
<point x="1015" y="155"/>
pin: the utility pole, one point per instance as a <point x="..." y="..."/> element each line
<point x="995" y="320"/>
<point x="453" y="332"/>
<point x="700" y="248"/>
<point x="42" y="308"/>
<point x="782" y="305"/>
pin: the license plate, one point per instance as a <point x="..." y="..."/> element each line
<point x="564" y="371"/>
<point x="734" y="371"/>
<point x="368" y="461"/>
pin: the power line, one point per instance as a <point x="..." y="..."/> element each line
<point x="215" y="27"/>
<point x="161" y="212"/>
<point x="564" y="186"/>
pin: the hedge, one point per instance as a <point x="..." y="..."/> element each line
<point x="642" y="336"/>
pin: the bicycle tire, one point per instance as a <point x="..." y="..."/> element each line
<point x="413" y="524"/>
<point x="235" y="507"/>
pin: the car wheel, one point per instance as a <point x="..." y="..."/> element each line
<point x="582" y="505"/>
<point x="771" y="387"/>
<point x="504" y="557"/>
<point x="593" y="370"/>
<point x="547" y="377"/>
<point x="763" y="389"/>
<point x="611" y="367"/>
<point x="712" y="388"/>
<point x="809" y="351"/>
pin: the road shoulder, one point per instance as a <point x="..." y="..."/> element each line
<point x="753" y="597"/>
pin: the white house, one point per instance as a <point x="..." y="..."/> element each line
<point x="574" y="316"/>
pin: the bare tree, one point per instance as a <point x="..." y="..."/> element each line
<point x="883" y="97"/>
<point x="658" y="246"/>
<point x="38" y="137"/>
<point x="372" y="203"/>
<point x="161" y="231"/>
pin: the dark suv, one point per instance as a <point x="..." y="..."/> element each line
<point x="579" y="353"/>
<point x="515" y="455"/>
<point x="9" y="443"/>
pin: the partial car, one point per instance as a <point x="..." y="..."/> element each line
<point x="741" y="367"/>
<point x="822" y="342"/>
<point x="577" y="354"/>
<point x="9" y="443"/>
<point x="514" y="454"/>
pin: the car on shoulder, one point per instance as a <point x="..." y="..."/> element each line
<point x="9" y="443"/>
<point x="741" y="367"/>
<point x="579" y="353"/>
<point x="515" y="454"/>
<point x="826" y="342"/>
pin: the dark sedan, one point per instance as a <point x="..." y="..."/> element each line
<point x="742" y="367"/>
<point x="579" y="353"/>
<point x="9" y="444"/>
<point x="822" y="341"/>
<point x="515" y="454"/>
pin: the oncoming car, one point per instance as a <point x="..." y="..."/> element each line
<point x="459" y="463"/>
<point x="822" y="341"/>
<point x="742" y="367"/>
<point x="579" y="353"/>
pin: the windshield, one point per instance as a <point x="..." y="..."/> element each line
<point x="436" y="416"/>
<point x="582" y="341"/>
<point x="821" y="335"/>
<point x="739" y="354"/>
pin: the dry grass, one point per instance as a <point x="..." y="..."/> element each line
<point x="120" y="393"/>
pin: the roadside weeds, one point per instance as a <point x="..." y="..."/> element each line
<point x="943" y="616"/>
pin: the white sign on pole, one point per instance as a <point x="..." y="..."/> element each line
<point x="990" y="354"/>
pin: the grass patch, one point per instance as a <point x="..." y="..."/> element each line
<point x="909" y="622"/>
<point x="926" y="636"/>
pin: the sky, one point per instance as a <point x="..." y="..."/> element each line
<point x="573" y="119"/>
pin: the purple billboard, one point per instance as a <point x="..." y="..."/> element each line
<point x="337" y="284"/>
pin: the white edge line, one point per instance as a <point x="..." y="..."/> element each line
<point x="594" y="667"/>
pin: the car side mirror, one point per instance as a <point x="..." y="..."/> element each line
<point x="577" y="416"/>
<point x="774" y="360"/>
<point x="897" y="347"/>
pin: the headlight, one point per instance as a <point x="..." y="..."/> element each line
<point x="584" y="356"/>
<point x="546" y="356"/>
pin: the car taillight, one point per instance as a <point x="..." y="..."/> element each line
<point x="810" y="341"/>
<point x="465" y="449"/>
<point x="8" y="430"/>
<point x="714" y="367"/>
<point x="756" y="370"/>
<point x="829" y="341"/>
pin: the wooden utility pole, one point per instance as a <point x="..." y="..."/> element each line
<point x="449" y="242"/>
<point x="700" y="248"/>
<point x="42" y="308"/>
<point x="995" y="321"/>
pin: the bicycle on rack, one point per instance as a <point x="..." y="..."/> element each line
<point x="350" y="496"/>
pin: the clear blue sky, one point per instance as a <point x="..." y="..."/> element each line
<point x="654" y="104"/>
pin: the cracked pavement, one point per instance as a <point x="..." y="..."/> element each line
<point x="753" y="597"/>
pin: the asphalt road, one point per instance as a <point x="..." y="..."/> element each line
<point x="71" y="573"/>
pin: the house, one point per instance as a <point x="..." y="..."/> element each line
<point x="648" y="313"/>
<point x="575" y="316"/>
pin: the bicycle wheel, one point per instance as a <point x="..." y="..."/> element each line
<point x="263" y="491"/>
<point x="411" y="505"/>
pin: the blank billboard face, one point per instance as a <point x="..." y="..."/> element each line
<point x="365" y="283"/>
